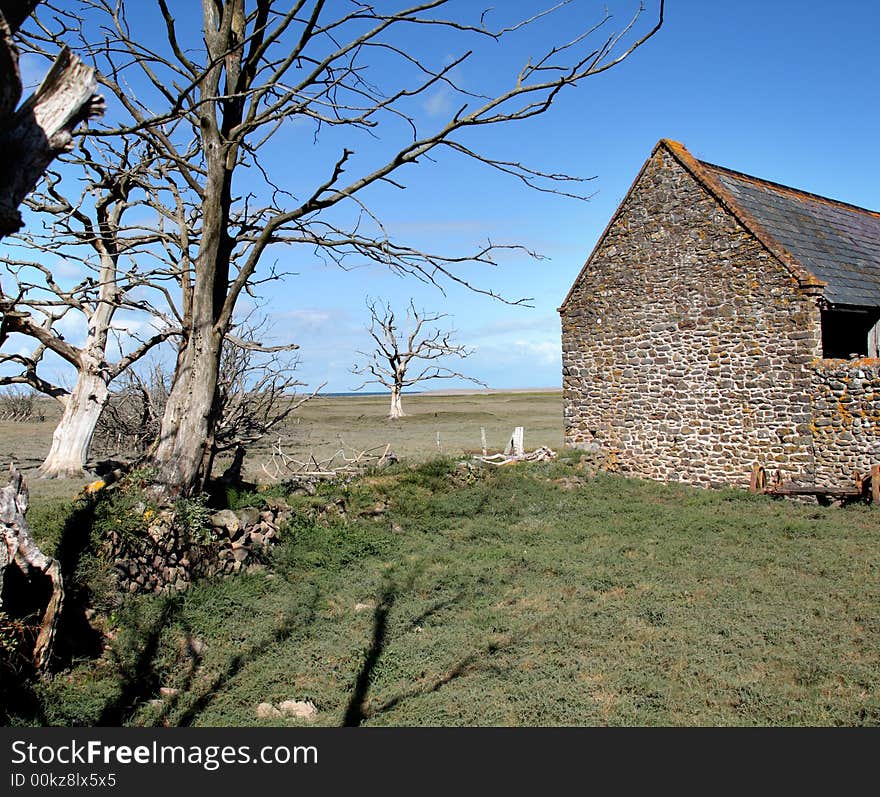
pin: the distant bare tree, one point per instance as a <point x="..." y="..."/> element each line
<point x="391" y="363"/>
<point x="209" y="99"/>
<point x="19" y="404"/>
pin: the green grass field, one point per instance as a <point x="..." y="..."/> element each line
<point x="532" y="595"/>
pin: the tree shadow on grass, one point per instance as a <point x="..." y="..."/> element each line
<point x="140" y="682"/>
<point x="473" y="662"/>
<point x="359" y="707"/>
<point x="138" y="679"/>
<point x="297" y="620"/>
<point x="23" y="602"/>
<point x="434" y="608"/>
<point x="354" y="714"/>
<point x="75" y="637"/>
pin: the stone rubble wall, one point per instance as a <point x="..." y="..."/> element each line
<point x="169" y="559"/>
<point x="686" y="343"/>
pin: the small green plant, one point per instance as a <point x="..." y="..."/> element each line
<point x="11" y="634"/>
<point x="141" y="477"/>
<point x="193" y="516"/>
<point x="125" y="512"/>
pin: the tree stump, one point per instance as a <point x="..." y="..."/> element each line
<point x="515" y="446"/>
<point x="18" y="547"/>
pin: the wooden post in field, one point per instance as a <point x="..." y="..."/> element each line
<point x="438" y="441"/>
<point x="875" y="484"/>
<point x="515" y="445"/>
<point x="483" y="440"/>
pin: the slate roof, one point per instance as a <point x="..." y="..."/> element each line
<point x="836" y="243"/>
<point x="831" y="248"/>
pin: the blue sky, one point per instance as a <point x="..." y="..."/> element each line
<point x="785" y="90"/>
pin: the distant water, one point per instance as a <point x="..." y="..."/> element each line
<point x="369" y="393"/>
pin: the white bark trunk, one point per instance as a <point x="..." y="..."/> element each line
<point x="42" y="128"/>
<point x="396" y="410"/>
<point x="73" y="435"/>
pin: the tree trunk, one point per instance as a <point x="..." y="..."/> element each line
<point x="73" y="435"/>
<point x="188" y="418"/>
<point x="396" y="404"/>
<point x="17" y="546"/>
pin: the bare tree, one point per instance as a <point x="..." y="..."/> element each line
<point x="257" y="391"/>
<point x="209" y="103"/>
<point x="20" y="404"/>
<point x="403" y="358"/>
<point x="90" y="234"/>
<point x="129" y="424"/>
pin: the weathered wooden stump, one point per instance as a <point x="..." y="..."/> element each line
<point x="19" y="548"/>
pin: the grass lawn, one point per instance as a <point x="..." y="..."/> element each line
<point x="530" y="595"/>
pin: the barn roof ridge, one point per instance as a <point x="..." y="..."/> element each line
<point x="789" y="188"/>
<point x="831" y="248"/>
<point x="701" y="171"/>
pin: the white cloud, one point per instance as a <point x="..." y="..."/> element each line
<point x="309" y="318"/>
<point x="67" y="269"/>
<point x="131" y="326"/>
<point x="439" y="103"/>
<point x="544" y="352"/>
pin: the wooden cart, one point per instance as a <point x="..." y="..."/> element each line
<point x="862" y="487"/>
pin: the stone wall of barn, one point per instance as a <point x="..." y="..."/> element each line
<point x="687" y="346"/>
<point x="846" y="418"/>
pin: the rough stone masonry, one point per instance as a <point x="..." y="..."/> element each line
<point x="691" y="352"/>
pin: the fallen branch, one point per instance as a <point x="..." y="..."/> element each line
<point x="542" y="454"/>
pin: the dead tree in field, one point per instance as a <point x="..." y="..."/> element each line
<point x="257" y="390"/>
<point x="104" y="273"/>
<point x="403" y="359"/>
<point x="129" y="424"/>
<point x="361" y="72"/>
<point x="34" y="134"/>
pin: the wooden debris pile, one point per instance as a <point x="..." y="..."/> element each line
<point x="542" y="454"/>
<point x="346" y="461"/>
<point x="515" y="451"/>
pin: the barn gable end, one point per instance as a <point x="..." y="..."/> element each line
<point x="687" y="337"/>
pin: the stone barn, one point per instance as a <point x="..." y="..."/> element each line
<point x="723" y="320"/>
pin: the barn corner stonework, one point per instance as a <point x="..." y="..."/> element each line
<point x="692" y="350"/>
